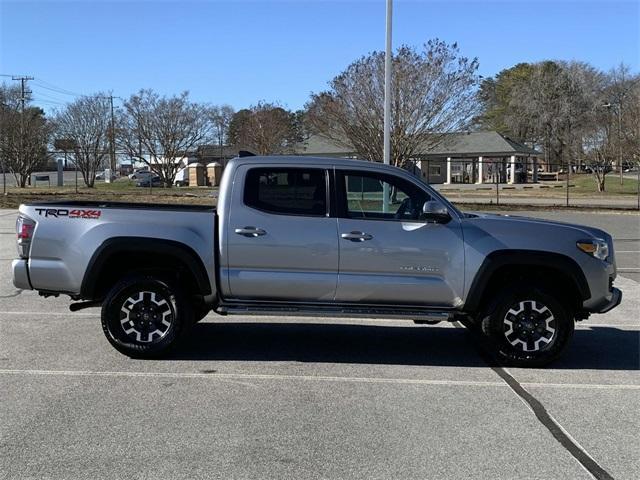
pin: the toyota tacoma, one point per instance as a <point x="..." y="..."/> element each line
<point x="317" y="236"/>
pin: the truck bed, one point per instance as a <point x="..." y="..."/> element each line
<point x="125" y="205"/>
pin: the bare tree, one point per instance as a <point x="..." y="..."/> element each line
<point x="622" y="96"/>
<point x="611" y="132"/>
<point x="599" y="153"/>
<point x="24" y="136"/>
<point x="265" y="128"/>
<point x="631" y="121"/>
<point x="86" y="123"/>
<point x="433" y="93"/>
<point x="161" y="131"/>
<point x="221" y="116"/>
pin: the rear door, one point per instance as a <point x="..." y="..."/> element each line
<point x="391" y="254"/>
<point x="281" y="242"/>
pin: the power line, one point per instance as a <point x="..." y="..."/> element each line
<point x="50" y="102"/>
<point x="49" y="96"/>
<point x="55" y="88"/>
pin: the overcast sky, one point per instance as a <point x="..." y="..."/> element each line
<point x="241" y="52"/>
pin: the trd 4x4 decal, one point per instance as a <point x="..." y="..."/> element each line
<point x="66" y="213"/>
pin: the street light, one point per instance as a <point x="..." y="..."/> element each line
<point x="610" y="105"/>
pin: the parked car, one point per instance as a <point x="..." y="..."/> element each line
<point x="101" y="176"/>
<point x="140" y="174"/>
<point x="182" y="178"/>
<point x="314" y="236"/>
<point x="150" y="181"/>
<point x="603" y="169"/>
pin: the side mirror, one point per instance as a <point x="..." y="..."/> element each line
<point x="435" y="211"/>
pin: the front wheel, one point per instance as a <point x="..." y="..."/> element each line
<point x="529" y="328"/>
<point x="144" y="317"/>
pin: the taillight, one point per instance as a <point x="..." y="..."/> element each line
<point x="24" y="230"/>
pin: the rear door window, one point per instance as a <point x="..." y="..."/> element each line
<point x="287" y="191"/>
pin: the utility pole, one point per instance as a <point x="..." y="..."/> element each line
<point x="23" y="97"/>
<point x="387" y="104"/>
<point x="112" y="140"/>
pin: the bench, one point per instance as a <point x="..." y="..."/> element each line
<point x="548" y="176"/>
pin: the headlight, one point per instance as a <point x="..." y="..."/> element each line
<point x="597" y="248"/>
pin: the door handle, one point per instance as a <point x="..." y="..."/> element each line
<point x="250" y="231"/>
<point x="356" y="236"/>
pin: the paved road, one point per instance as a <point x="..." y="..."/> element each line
<point x="314" y="398"/>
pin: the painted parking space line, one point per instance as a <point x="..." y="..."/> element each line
<point x="51" y="314"/>
<point x="607" y="325"/>
<point x="308" y="378"/>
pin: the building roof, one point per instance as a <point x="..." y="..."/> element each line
<point x="452" y="145"/>
<point x="213" y="151"/>
<point x="477" y="144"/>
<point x="318" y="145"/>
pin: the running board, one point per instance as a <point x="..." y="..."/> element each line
<point x="334" y="311"/>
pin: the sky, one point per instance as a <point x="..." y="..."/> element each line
<point x="241" y="52"/>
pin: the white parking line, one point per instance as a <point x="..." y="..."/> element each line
<point x="307" y="378"/>
<point x="588" y="324"/>
<point x="53" y="314"/>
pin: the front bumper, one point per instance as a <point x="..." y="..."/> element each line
<point x="21" y="274"/>
<point x="608" y="304"/>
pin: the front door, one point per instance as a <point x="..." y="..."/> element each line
<point x="281" y="242"/>
<point x="389" y="252"/>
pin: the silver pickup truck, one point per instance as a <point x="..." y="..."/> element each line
<point x="317" y="236"/>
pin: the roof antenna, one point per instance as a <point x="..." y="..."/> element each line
<point x="246" y="153"/>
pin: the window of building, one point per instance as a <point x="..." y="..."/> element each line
<point x="287" y="191"/>
<point x="435" y="170"/>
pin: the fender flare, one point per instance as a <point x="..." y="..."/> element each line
<point x="162" y="247"/>
<point x="524" y="258"/>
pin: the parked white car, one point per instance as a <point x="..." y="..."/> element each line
<point x="182" y="178"/>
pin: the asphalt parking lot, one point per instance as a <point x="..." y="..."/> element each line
<point x="316" y="398"/>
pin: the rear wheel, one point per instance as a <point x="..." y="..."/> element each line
<point x="529" y="327"/>
<point x="144" y="317"/>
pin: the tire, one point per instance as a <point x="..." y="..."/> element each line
<point x="528" y="327"/>
<point x="144" y="317"/>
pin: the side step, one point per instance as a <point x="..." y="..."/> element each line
<point x="410" y="313"/>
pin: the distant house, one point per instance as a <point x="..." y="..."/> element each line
<point x="474" y="157"/>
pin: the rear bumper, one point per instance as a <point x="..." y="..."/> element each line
<point x="608" y="304"/>
<point x="21" y="274"/>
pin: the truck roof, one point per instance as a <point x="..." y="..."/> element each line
<point x="310" y="161"/>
